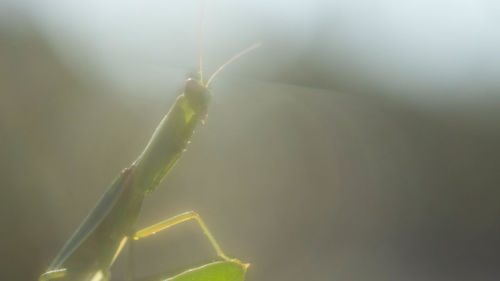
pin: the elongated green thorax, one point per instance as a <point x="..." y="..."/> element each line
<point x="172" y="136"/>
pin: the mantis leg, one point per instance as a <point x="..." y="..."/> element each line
<point x="53" y="274"/>
<point x="179" y="219"/>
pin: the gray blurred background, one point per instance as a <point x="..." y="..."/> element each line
<point x="360" y="142"/>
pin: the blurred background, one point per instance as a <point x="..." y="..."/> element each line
<point x="360" y="142"/>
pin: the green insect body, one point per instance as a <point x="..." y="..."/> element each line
<point x="93" y="248"/>
<point x="172" y="136"/>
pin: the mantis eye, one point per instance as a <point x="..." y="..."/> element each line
<point x="193" y="88"/>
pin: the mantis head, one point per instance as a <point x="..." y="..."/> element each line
<point x="197" y="91"/>
<point x="198" y="96"/>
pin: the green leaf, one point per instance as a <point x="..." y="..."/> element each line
<point x="217" y="271"/>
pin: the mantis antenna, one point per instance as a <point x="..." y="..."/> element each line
<point x="237" y="56"/>
<point x="201" y="41"/>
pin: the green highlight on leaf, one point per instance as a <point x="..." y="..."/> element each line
<point x="216" y="271"/>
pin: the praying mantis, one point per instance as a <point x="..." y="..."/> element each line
<point x="93" y="248"/>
